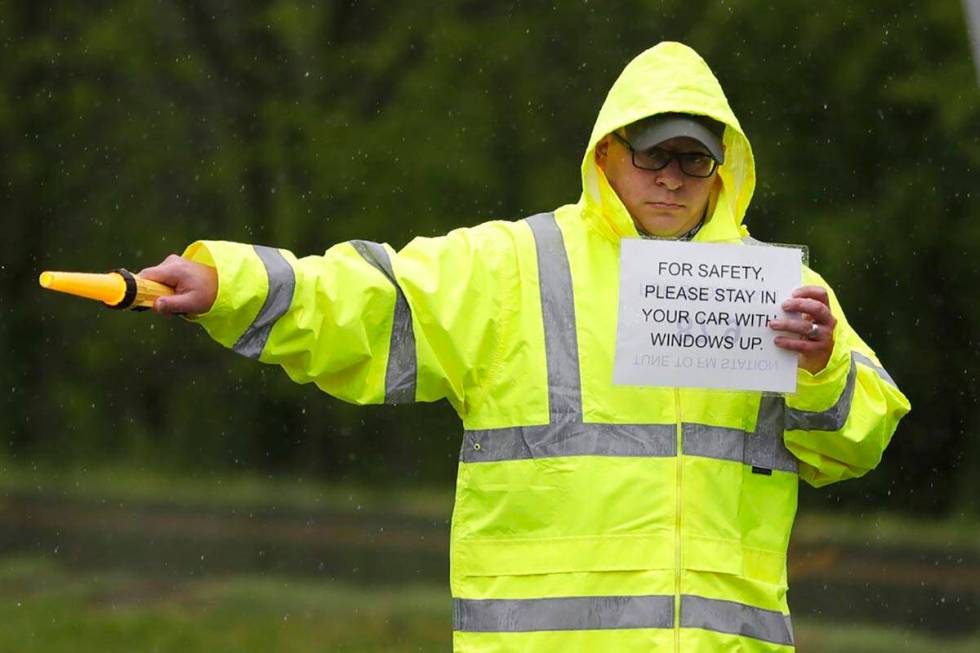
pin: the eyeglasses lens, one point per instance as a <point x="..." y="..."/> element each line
<point x="696" y="165"/>
<point x="692" y="163"/>
<point x="652" y="159"/>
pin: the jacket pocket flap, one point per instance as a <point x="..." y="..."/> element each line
<point x="516" y="557"/>
<point x="711" y="554"/>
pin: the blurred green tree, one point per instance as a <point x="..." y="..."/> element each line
<point x="128" y="129"/>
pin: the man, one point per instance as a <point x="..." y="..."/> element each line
<point x="589" y="516"/>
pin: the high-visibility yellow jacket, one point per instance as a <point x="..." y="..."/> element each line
<point x="589" y="516"/>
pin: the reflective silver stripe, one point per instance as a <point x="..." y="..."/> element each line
<point x="568" y="437"/>
<point x="713" y="441"/>
<point x="558" y="313"/>
<point x="766" y="447"/>
<point x="565" y="434"/>
<point x="762" y="448"/>
<point x="282" y="282"/>
<point x="864" y="360"/>
<point x="574" y="613"/>
<point x="402" y="370"/>
<point x="834" y="418"/>
<point x="736" y="619"/>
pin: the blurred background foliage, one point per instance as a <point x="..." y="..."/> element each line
<point x="129" y="129"/>
<point x="157" y="489"/>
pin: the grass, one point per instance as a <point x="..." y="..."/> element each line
<point x="46" y="608"/>
<point x="889" y="529"/>
<point x="822" y="637"/>
<point x="257" y="491"/>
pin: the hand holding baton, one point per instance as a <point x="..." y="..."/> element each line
<point x="176" y="286"/>
<point x="117" y="289"/>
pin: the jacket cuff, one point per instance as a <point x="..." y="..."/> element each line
<point x="818" y="392"/>
<point x="242" y="286"/>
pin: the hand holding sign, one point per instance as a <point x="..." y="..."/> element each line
<point x="816" y="324"/>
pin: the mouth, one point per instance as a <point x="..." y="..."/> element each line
<point x="665" y="205"/>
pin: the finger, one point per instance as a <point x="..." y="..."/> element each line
<point x="170" y="271"/>
<point x="798" y="326"/>
<point x="802" y="346"/>
<point x="190" y="302"/>
<point x="818" y="312"/>
<point x="818" y="293"/>
<point x="155" y="273"/>
<point x="160" y="306"/>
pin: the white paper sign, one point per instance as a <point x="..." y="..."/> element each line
<point x="696" y="315"/>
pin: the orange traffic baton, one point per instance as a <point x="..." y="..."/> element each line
<point x="117" y="289"/>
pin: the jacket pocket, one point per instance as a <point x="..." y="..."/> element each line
<point x="564" y="515"/>
<point x="767" y="509"/>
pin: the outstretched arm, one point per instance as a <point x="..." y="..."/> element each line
<point x="363" y="322"/>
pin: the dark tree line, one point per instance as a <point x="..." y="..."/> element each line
<point x="128" y="129"/>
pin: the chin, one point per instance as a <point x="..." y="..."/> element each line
<point x="663" y="228"/>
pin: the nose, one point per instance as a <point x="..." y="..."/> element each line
<point x="670" y="177"/>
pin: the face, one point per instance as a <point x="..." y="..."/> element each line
<point x="665" y="203"/>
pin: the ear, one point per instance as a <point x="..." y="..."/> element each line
<point x="713" y="196"/>
<point x="602" y="151"/>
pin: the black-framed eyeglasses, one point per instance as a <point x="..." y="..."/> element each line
<point x="693" y="164"/>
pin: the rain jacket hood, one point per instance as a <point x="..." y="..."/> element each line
<point x="670" y="77"/>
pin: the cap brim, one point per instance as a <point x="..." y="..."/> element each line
<point x="644" y="135"/>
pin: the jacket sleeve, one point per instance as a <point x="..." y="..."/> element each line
<point x="364" y="323"/>
<point x="840" y="420"/>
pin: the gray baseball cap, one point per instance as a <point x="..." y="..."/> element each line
<point x="648" y="132"/>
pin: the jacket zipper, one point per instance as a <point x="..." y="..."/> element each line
<point x="677" y="527"/>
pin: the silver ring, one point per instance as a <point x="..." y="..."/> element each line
<point x="814" y="331"/>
